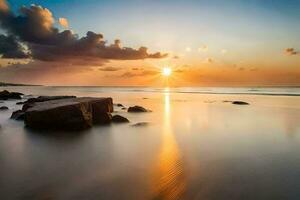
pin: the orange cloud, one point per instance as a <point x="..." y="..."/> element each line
<point x="63" y="22"/>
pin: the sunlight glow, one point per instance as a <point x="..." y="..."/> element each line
<point x="166" y="71"/>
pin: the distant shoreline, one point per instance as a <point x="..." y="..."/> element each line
<point x="2" y="84"/>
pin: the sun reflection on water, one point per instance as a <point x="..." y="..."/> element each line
<point x="169" y="174"/>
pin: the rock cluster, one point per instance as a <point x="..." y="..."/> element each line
<point x="5" y="95"/>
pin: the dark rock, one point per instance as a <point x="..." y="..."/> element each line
<point x="119" y="119"/>
<point x="20" y="103"/>
<point x="48" y="98"/>
<point x="136" y="109"/>
<point x="29" y="102"/>
<point x="18" y="115"/>
<point x="123" y="108"/>
<point x="139" y="124"/>
<point x="240" y="103"/>
<point x="3" y="108"/>
<point x="69" y="114"/>
<point x="4" y="95"/>
<point x="120" y="105"/>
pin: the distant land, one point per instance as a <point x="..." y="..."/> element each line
<point x="15" y="84"/>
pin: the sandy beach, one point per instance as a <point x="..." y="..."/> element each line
<point x="192" y="146"/>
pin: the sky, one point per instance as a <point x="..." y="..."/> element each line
<point x="128" y="43"/>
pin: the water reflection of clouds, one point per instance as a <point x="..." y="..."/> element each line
<point x="169" y="176"/>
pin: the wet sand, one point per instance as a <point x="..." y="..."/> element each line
<point x="195" y="146"/>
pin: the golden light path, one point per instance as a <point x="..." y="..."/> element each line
<point x="169" y="174"/>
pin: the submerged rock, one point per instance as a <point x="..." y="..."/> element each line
<point x="69" y="114"/>
<point x="119" y="119"/>
<point x="20" y="103"/>
<point x="137" y="109"/>
<point x="3" y="108"/>
<point x="139" y="124"/>
<point x="18" y="115"/>
<point x="240" y="103"/>
<point x="4" y="95"/>
<point x="120" y="105"/>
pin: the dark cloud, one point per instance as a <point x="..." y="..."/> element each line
<point x="179" y="71"/>
<point x="11" y="48"/>
<point x="35" y="27"/>
<point x="209" y="60"/>
<point x="291" y="51"/>
<point x="110" y="69"/>
<point x="143" y="73"/>
<point x="136" y="68"/>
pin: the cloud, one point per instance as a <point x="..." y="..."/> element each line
<point x="109" y="69"/>
<point x="204" y="48"/>
<point x="291" y="51"/>
<point x="224" y="51"/>
<point x="188" y="49"/>
<point x="11" y="48"/>
<point x="136" y="68"/>
<point x="143" y="73"/>
<point x="35" y="28"/>
<point x="63" y="22"/>
<point x="209" y="60"/>
<point x="179" y="71"/>
<point x="3" y="6"/>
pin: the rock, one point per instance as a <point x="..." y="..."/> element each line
<point x="29" y="102"/>
<point x="119" y="105"/>
<point x="47" y="98"/>
<point x="18" y="115"/>
<point x="119" y="119"/>
<point x="20" y="103"/>
<point x="139" y="124"/>
<point x="69" y="114"/>
<point x="3" y="108"/>
<point x="123" y="108"/>
<point x="136" y="109"/>
<point x="4" y="95"/>
<point x="240" y="103"/>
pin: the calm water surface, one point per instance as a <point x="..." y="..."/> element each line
<point x="194" y="147"/>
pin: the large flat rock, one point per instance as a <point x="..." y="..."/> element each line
<point x="69" y="114"/>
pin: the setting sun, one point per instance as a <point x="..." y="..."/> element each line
<point x="166" y="71"/>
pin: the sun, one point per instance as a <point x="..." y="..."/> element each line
<point x="166" y="71"/>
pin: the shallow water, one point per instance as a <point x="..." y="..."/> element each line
<point x="194" y="147"/>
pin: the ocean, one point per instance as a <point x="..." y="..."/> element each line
<point x="194" y="145"/>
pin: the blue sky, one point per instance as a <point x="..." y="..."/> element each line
<point x="136" y="21"/>
<point x="254" y="33"/>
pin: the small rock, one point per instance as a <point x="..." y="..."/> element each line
<point x="139" y="124"/>
<point x="18" y="115"/>
<point x="119" y="119"/>
<point x="120" y="105"/>
<point x="4" y="95"/>
<point x="123" y="108"/>
<point x="136" y="109"/>
<point x="20" y="103"/>
<point x="3" y="108"/>
<point x="240" y="103"/>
